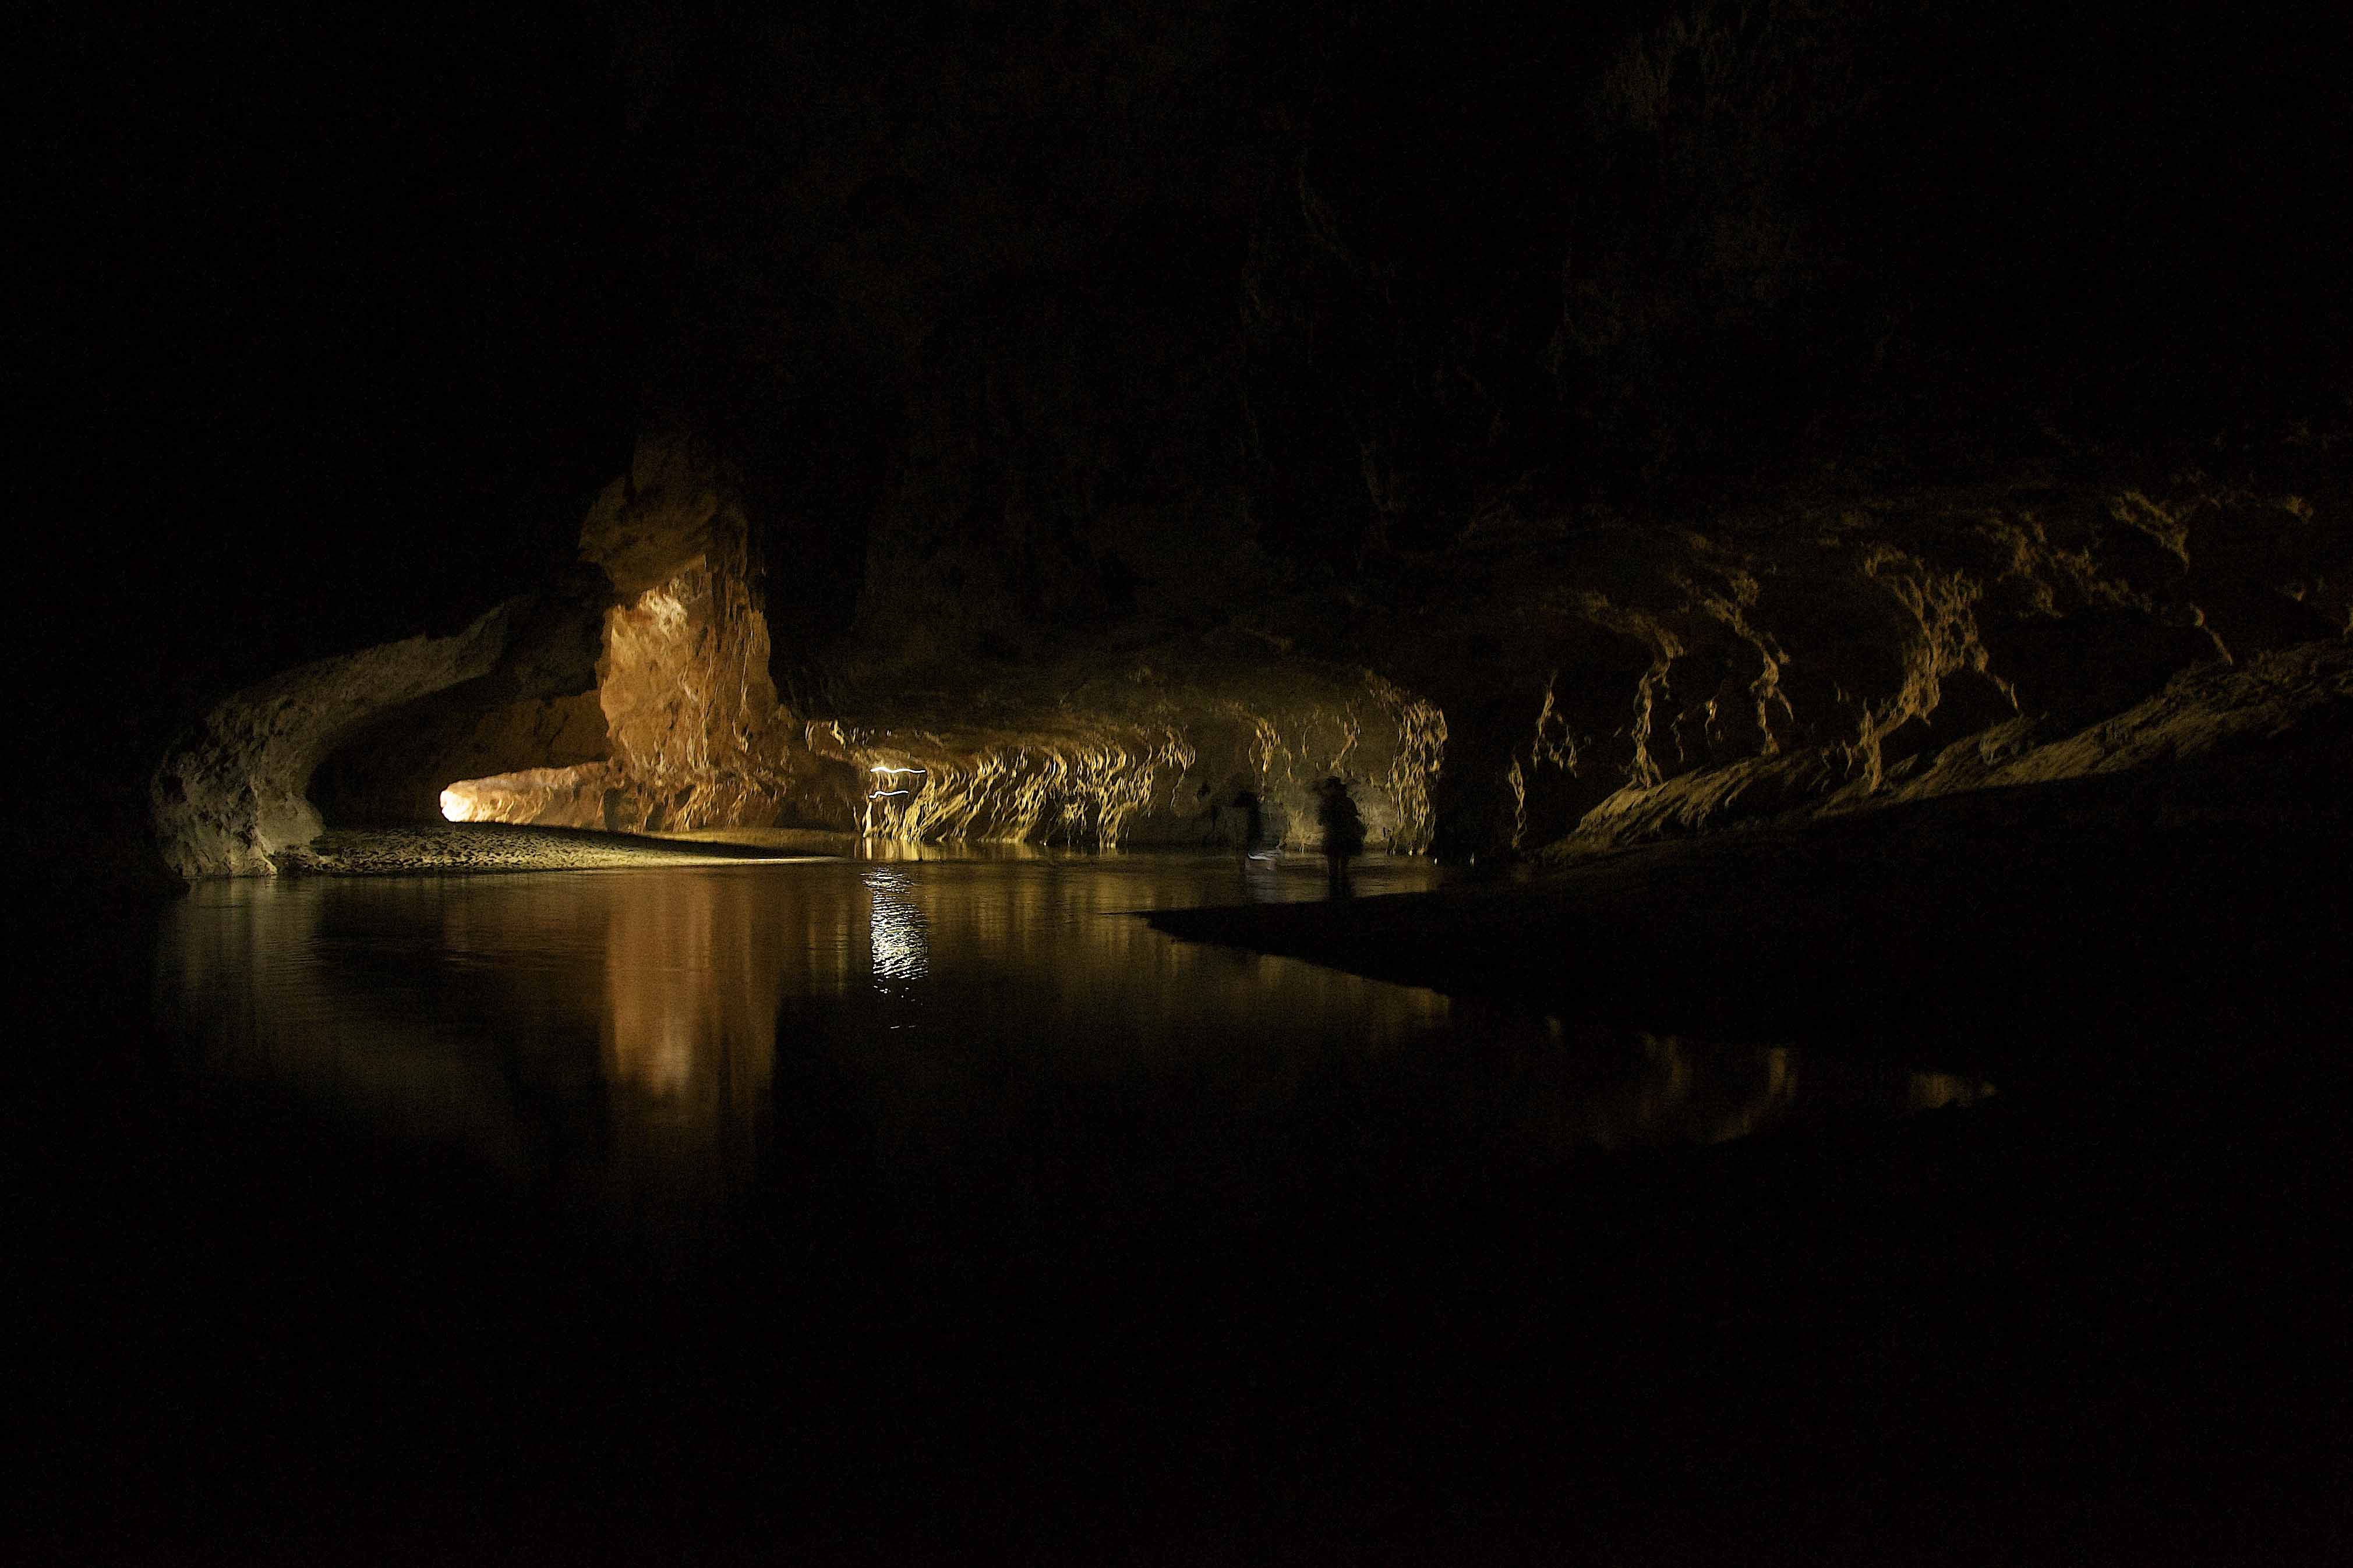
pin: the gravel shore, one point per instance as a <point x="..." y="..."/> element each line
<point x="477" y="846"/>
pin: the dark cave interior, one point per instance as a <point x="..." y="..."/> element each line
<point x="1838" y="512"/>
<point x="385" y="310"/>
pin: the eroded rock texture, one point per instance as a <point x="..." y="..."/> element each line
<point x="680" y="726"/>
<point x="1824" y="659"/>
<point x="1150" y="745"/>
<point x="235" y="794"/>
<point x="1581" y="682"/>
<point x="1157" y="754"/>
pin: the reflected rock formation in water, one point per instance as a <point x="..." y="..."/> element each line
<point x="695" y="970"/>
<point x="641" y="1049"/>
<point x="610" y="1039"/>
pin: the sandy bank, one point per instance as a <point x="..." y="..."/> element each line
<point x="479" y="847"/>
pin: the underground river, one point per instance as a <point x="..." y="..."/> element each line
<point x="940" y="1208"/>
<point x="656" y="1054"/>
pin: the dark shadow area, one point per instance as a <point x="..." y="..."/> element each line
<point x="2020" y="933"/>
<point x="1022" y="338"/>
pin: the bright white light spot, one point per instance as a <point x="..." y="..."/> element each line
<point x="894" y="773"/>
<point x="452" y="808"/>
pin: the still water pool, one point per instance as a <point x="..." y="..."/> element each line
<point x="641" y="1049"/>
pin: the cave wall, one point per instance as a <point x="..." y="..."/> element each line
<point x="1650" y="420"/>
<point x="1090" y="747"/>
<point x="1155" y="752"/>
<point x="1795" y="387"/>
<point x="1391" y="267"/>
<point x="392" y="773"/>
<point x="371" y="732"/>
<point x="1609" y="681"/>
<point x="1579" y="681"/>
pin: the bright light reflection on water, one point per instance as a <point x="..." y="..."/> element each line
<point x="895" y="924"/>
<point x="643" y="1046"/>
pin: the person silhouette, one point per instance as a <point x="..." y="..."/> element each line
<point x="1253" y="821"/>
<point x="1343" y="832"/>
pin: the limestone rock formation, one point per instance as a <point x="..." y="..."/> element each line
<point x="1156" y="752"/>
<point x="1153" y="749"/>
<point x="1621" y="680"/>
<point x="1583" y="681"/>
<point x="2253" y="743"/>
<point x="233" y="795"/>
<point x="1055" y="432"/>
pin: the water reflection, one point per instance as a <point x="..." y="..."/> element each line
<point x="896" y="926"/>
<point x="646" y="1047"/>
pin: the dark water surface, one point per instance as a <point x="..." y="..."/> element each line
<point x="937" y="1210"/>
<point x="642" y="1048"/>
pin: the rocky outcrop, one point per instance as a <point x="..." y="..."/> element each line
<point x="394" y="770"/>
<point x="1086" y="423"/>
<point x="1157" y="753"/>
<point x="1155" y="748"/>
<point x="1585" y="683"/>
<point x="233" y="797"/>
<point x="2263" y="743"/>
<point x="1608" y="680"/>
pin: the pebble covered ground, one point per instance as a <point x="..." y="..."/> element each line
<point x="472" y="846"/>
